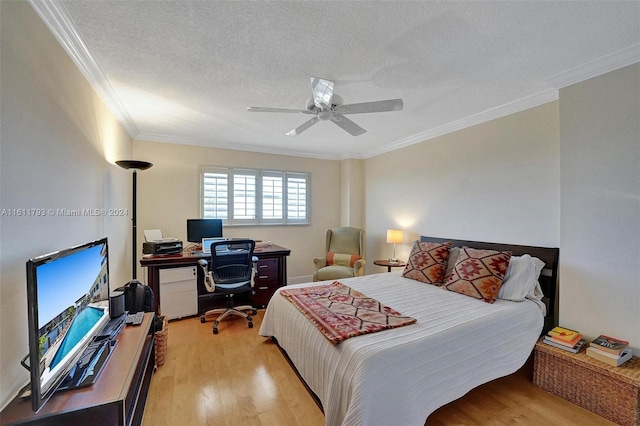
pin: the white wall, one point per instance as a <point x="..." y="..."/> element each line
<point x="600" y="221"/>
<point x="168" y="194"/>
<point x="56" y="140"/>
<point x="497" y="181"/>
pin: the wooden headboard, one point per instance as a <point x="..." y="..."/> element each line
<point x="548" y="278"/>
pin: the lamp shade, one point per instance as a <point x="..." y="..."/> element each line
<point x="134" y="164"/>
<point x="395" y="236"/>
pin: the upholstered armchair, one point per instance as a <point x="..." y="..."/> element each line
<point x="344" y="257"/>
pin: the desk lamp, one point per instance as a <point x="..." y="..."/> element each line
<point x="394" y="236"/>
<point x="135" y="166"/>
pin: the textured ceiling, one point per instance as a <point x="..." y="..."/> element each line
<point x="185" y="71"/>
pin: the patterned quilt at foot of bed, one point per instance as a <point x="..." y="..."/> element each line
<point x="341" y="312"/>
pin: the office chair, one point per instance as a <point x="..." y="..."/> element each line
<point x="230" y="271"/>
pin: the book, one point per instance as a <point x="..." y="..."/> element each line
<point x="609" y="344"/>
<point x="609" y="358"/>
<point x="569" y="343"/>
<point x="563" y="334"/>
<point x="574" y="350"/>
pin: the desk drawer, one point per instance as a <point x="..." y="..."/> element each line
<point x="262" y="293"/>
<point x="172" y="275"/>
<point x="266" y="271"/>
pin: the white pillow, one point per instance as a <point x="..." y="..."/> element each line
<point x="521" y="278"/>
<point x="536" y="296"/>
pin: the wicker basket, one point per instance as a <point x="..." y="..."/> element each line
<point x="160" y="342"/>
<point x="612" y="392"/>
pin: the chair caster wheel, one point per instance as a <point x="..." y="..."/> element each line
<point x="250" y="325"/>
<point x="215" y="330"/>
<point x="203" y="319"/>
<point x="249" y="319"/>
<point x="255" y="312"/>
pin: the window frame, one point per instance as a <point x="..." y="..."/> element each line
<point x="259" y="174"/>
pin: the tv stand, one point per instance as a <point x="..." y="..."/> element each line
<point x="118" y="396"/>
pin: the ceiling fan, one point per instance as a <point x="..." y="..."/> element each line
<point x="327" y="106"/>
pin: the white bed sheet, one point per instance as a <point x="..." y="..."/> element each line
<point x="400" y="376"/>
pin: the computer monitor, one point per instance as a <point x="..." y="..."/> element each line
<point x="197" y="229"/>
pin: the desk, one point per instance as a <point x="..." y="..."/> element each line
<point x="388" y="264"/>
<point x="271" y="272"/>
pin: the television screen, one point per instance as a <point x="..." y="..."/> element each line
<point x="68" y="303"/>
<point x="197" y="229"/>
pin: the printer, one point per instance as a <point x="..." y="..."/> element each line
<point x="156" y="244"/>
<point x="163" y="246"/>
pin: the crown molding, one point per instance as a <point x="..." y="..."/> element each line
<point x="509" y="108"/>
<point x="599" y="66"/>
<point x="61" y="26"/>
<point x="233" y="146"/>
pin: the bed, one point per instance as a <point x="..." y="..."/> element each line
<point x="400" y="376"/>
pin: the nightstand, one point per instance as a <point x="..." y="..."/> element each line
<point x="389" y="264"/>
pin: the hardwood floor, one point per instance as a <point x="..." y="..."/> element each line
<point x="240" y="378"/>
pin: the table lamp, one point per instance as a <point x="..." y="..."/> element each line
<point x="394" y="236"/>
<point x="135" y="166"/>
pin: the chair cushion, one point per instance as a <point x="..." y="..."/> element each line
<point x="340" y="259"/>
<point x="334" y="272"/>
<point x="236" y="288"/>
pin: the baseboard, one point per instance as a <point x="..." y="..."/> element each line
<point x="300" y="280"/>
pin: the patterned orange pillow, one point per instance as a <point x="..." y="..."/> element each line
<point x="479" y="273"/>
<point x="427" y="262"/>
<point x="339" y="259"/>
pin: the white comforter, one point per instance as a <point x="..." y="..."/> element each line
<point x="400" y="376"/>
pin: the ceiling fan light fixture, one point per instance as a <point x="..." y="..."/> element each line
<point x="327" y="106"/>
<point x="325" y="115"/>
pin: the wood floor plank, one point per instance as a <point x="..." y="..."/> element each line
<point x="239" y="378"/>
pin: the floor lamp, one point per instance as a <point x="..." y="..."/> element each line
<point x="135" y="166"/>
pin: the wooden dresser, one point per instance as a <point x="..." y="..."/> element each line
<point x="118" y="397"/>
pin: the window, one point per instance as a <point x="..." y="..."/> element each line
<point x="254" y="197"/>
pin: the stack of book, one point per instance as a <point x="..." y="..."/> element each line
<point x="564" y="338"/>
<point x="610" y="350"/>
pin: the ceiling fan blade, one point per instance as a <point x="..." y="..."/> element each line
<point x="322" y="92"/>
<point x="348" y="125"/>
<point x="265" y="109"/>
<point x="304" y="126"/>
<point x="376" y="106"/>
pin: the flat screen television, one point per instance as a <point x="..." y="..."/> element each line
<point x="68" y="306"/>
<point x="197" y="229"/>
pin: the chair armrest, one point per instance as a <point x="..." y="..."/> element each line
<point x="320" y="262"/>
<point x="358" y="267"/>
<point x="209" y="283"/>
<point x="208" y="276"/>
